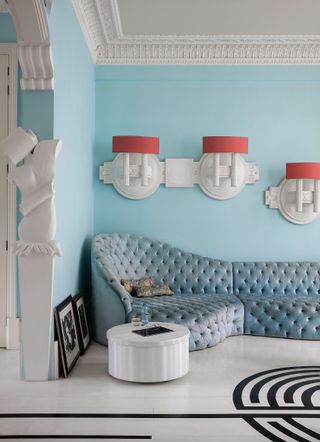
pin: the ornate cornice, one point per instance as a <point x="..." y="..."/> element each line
<point x="231" y="53"/>
<point x="34" y="50"/>
<point x="88" y="17"/>
<point x="101" y="25"/>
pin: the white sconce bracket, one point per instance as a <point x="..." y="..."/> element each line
<point x="224" y="175"/>
<point x="114" y="173"/>
<point x="301" y="209"/>
<point x="125" y="172"/>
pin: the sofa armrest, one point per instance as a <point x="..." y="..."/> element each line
<point x="114" y="283"/>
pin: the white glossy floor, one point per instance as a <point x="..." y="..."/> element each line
<point x="208" y="388"/>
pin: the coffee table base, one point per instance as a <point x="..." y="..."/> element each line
<point x="148" y="364"/>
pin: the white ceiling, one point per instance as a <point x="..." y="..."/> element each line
<point x="219" y="17"/>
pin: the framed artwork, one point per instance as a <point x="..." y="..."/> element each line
<point x="82" y="322"/>
<point x="67" y="334"/>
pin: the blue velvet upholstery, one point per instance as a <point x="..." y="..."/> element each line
<point x="129" y="256"/>
<point x="210" y="318"/>
<point x="272" y="299"/>
<point x="282" y="316"/>
<point x="280" y="298"/>
<point x="132" y="256"/>
<point x="276" y="278"/>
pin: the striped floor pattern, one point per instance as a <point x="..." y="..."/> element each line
<point x="287" y="390"/>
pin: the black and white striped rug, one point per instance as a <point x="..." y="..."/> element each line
<point x="289" y="394"/>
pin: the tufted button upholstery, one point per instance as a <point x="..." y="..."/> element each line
<point x="282" y="316"/>
<point x="210" y="319"/>
<point x="273" y="299"/>
<point x="276" y="278"/>
<point x="131" y="256"/>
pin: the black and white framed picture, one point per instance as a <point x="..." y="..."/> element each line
<point x="67" y="334"/>
<point x="82" y="322"/>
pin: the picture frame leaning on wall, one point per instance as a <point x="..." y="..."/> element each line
<point x="66" y="326"/>
<point x="82" y="322"/>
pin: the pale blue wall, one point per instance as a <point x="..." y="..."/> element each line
<point x="278" y="108"/>
<point x="7" y="29"/>
<point x="74" y="123"/>
<point x="67" y="113"/>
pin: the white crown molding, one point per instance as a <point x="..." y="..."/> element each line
<point x="101" y="24"/>
<point x="34" y="50"/>
<point x="209" y="54"/>
<point x="90" y="23"/>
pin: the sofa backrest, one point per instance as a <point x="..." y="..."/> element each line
<point x="132" y="256"/>
<point x="276" y="278"/>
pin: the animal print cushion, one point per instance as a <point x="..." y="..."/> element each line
<point x="131" y="284"/>
<point x="154" y="290"/>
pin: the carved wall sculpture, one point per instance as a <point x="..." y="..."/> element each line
<point x="36" y="247"/>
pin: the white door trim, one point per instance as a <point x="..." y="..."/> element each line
<point x="10" y="49"/>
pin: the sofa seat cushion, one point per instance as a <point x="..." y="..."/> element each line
<point x="282" y="316"/>
<point x="210" y="318"/>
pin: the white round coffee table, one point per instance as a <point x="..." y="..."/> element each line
<point x="151" y="358"/>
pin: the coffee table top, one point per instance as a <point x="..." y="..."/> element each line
<point x="123" y="334"/>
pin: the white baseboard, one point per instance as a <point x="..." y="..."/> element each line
<point x="13" y="333"/>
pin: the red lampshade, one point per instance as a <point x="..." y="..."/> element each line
<point x="225" y="144"/>
<point x="298" y="171"/>
<point x="135" y="144"/>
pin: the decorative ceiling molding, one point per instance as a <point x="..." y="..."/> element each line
<point x="34" y="49"/>
<point x="101" y="24"/>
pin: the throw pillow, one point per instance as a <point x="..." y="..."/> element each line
<point x="155" y="290"/>
<point x="131" y="284"/>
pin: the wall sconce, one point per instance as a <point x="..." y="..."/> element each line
<point x="298" y="195"/>
<point x="223" y="172"/>
<point x="136" y="172"/>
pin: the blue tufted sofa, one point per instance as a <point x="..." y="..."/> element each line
<point x="213" y="298"/>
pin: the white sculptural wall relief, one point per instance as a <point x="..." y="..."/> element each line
<point x="36" y="246"/>
<point x="298" y="195"/>
<point x="137" y="173"/>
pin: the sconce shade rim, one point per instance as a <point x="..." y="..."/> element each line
<point x="296" y="171"/>
<point x="135" y="144"/>
<point x="220" y="144"/>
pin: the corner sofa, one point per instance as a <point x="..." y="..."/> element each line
<point x="213" y="298"/>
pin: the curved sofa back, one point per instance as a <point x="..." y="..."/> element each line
<point x="276" y="278"/>
<point x="132" y="256"/>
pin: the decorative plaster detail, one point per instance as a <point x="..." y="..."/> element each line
<point x="127" y="176"/>
<point x="37" y="66"/>
<point x="51" y="248"/>
<point x="34" y="50"/>
<point x="90" y="22"/>
<point x="234" y="53"/>
<point x="101" y="25"/>
<point x="285" y="198"/>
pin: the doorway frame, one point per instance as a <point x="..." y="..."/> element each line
<point x="13" y="323"/>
